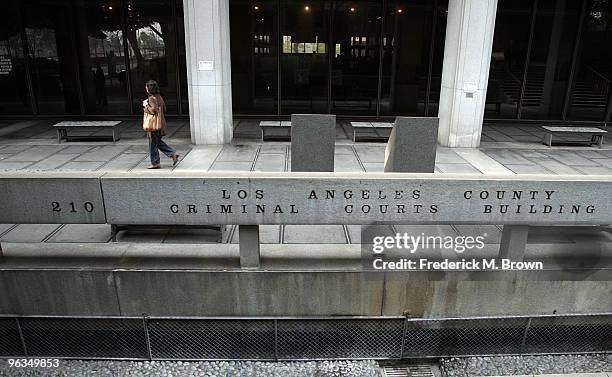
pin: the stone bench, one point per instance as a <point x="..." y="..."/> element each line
<point x="596" y="134"/>
<point x="275" y="130"/>
<point x="63" y="127"/>
<point x="371" y="131"/>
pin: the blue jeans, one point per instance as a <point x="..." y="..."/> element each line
<point x="156" y="144"/>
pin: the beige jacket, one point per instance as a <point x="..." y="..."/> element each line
<point x="156" y="106"/>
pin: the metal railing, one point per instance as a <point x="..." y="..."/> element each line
<point x="296" y="338"/>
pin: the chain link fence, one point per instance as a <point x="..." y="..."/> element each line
<point x="195" y="338"/>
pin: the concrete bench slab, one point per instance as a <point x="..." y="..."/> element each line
<point x="63" y="127"/>
<point x="275" y="130"/>
<point x="597" y="134"/>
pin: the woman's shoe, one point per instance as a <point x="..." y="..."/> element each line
<point x="156" y="166"/>
<point x="175" y="159"/>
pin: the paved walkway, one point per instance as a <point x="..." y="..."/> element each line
<point x="32" y="145"/>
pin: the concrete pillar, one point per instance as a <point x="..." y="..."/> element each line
<point x="513" y="242"/>
<point x="207" y="41"/>
<point x="465" y="72"/>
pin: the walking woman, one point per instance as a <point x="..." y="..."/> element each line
<point x="154" y="124"/>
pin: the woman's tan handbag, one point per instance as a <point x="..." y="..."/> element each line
<point x="150" y="123"/>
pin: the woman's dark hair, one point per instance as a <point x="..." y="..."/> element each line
<point x="152" y="87"/>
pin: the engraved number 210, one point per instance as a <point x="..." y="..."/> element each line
<point x="87" y="206"/>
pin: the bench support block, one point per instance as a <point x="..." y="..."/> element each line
<point x="249" y="246"/>
<point x="513" y="242"/>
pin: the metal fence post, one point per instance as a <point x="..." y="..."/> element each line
<point x="404" y="335"/>
<point x="525" y="334"/>
<point x="23" y="344"/>
<point x="276" y="339"/>
<point x="145" y="326"/>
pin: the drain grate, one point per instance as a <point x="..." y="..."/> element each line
<point x="408" y="371"/>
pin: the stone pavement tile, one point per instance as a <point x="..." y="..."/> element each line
<point x="75" y="149"/>
<point x="52" y="162"/>
<point x="605" y="152"/>
<point x="498" y="136"/>
<point x="29" y="233"/>
<point x="371" y="153"/>
<point x="344" y="149"/>
<point x="273" y="148"/>
<point x="86" y="233"/>
<point x="458" y="168"/>
<point x="509" y="130"/>
<point x="15" y="148"/>
<point x="124" y="162"/>
<point x="571" y="158"/>
<point x="529" y="153"/>
<point x="13" y="165"/>
<point x="448" y="156"/>
<point x="192" y="236"/>
<point x="491" y="233"/>
<point x="547" y="235"/>
<point x="374" y="166"/>
<point x="528" y="169"/>
<point x="346" y="163"/>
<point x="3" y="156"/>
<point x="231" y="166"/>
<point x="104" y="153"/>
<point x="506" y="156"/>
<point x="5" y="227"/>
<point x="142" y="236"/>
<point x="482" y="162"/>
<point x="527" y="138"/>
<point x="83" y="166"/>
<point x="270" y="162"/>
<point x="199" y="158"/>
<point x="354" y="232"/>
<point x="34" y="154"/>
<point x="555" y="166"/>
<point x="314" y="234"/>
<point x="607" y="162"/>
<point x="267" y="234"/>
<point x="594" y="170"/>
<point x="238" y="153"/>
<point x="584" y="153"/>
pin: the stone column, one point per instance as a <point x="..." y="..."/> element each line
<point x="465" y="72"/>
<point x="207" y="41"/>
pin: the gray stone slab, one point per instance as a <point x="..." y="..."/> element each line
<point x="142" y="236"/>
<point x="344" y="149"/>
<point x="313" y="138"/>
<point x="458" y="168"/>
<point x="528" y="169"/>
<point x="357" y="198"/>
<point x="318" y="234"/>
<point x="594" y="170"/>
<point x="124" y="162"/>
<point x="529" y="153"/>
<point x="104" y="153"/>
<point x="82" y="166"/>
<point x="374" y="166"/>
<point x="584" y="153"/>
<point x="270" y="162"/>
<point x="87" y="233"/>
<point x="513" y="242"/>
<point x="412" y="145"/>
<point x="506" y="156"/>
<point x="346" y="163"/>
<point x="371" y="153"/>
<point x="75" y="149"/>
<point x="497" y="136"/>
<point x="231" y="166"/>
<point x="200" y="158"/>
<point x="5" y="227"/>
<point x="571" y="158"/>
<point x="607" y="162"/>
<point x="34" y="154"/>
<point x="273" y="148"/>
<point x="3" y="156"/>
<point x="594" y="130"/>
<point x="14" y="165"/>
<point x="237" y="153"/>
<point x="52" y="162"/>
<point x="15" y="148"/>
<point x="448" y="156"/>
<point x="29" y="233"/>
<point x="556" y="166"/>
<point x="51" y="199"/>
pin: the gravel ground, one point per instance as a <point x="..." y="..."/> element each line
<point x="75" y="368"/>
<point x="518" y="365"/>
